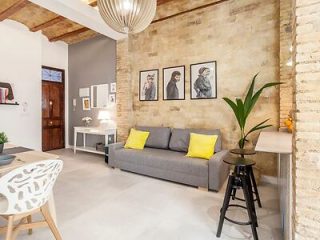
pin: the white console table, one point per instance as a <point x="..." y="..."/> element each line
<point x="281" y="143"/>
<point x="107" y="132"/>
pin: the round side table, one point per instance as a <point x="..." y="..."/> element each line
<point x="243" y="153"/>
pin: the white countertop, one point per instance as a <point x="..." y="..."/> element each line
<point x="274" y="142"/>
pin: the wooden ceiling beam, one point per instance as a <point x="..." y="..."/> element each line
<point x="47" y="24"/>
<point x="13" y="9"/>
<point x="69" y="34"/>
<point x="190" y="10"/>
<point x="159" y="2"/>
<point x="93" y="3"/>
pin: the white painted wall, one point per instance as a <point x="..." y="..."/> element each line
<point x="22" y="53"/>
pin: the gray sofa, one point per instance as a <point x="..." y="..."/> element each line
<point x="164" y="157"/>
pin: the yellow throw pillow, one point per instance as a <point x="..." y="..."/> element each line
<point x="201" y="146"/>
<point x="137" y="139"/>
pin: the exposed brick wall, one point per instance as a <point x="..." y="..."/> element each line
<point x="124" y="90"/>
<point x="243" y="36"/>
<point x="286" y="89"/>
<point x="306" y="162"/>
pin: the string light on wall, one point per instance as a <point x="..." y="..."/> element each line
<point x="128" y="16"/>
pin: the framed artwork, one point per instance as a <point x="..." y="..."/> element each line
<point x="203" y="80"/>
<point x="113" y="87"/>
<point x="86" y="104"/>
<point x="84" y="92"/>
<point x="149" y="85"/>
<point x="174" y="83"/>
<point x="112" y="99"/>
<point x="99" y="96"/>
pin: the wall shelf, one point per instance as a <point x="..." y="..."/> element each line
<point x="12" y="104"/>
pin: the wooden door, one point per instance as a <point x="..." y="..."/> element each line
<point x="52" y="115"/>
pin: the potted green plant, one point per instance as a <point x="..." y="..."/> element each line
<point x="3" y="140"/>
<point x="242" y="109"/>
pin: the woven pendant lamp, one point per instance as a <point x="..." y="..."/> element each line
<point x="128" y="16"/>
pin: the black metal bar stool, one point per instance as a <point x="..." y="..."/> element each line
<point x="239" y="179"/>
<point x="243" y="153"/>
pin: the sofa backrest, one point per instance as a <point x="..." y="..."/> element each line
<point x="180" y="138"/>
<point x="159" y="136"/>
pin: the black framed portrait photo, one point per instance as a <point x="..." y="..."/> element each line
<point x="149" y="85"/>
<point x="203" y="80"/>
<point x="174" y="83"/>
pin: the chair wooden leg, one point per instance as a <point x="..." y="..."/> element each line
<point x="29" y="220"/>
<point x="46" y="214"/>
<point x="9" y="228"/>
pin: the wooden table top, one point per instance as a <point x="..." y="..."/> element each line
<point x="25" y="158"/>
<point x="238" y="161"/>
<point x="243" y="151"/>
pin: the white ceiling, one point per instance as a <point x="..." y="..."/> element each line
<point x="80" y="12"/>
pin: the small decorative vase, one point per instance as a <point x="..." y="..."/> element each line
<point x="1" y="148"/>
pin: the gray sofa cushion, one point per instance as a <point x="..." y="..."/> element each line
<point x="180" y="138"/>
<point x="164" y="159"/>
<point x="159" y="136"/>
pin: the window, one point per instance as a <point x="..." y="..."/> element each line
<point x="52" y="75"/>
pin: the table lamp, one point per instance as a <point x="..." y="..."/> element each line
<point x="104" y="116"/>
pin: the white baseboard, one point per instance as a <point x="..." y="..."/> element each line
<point x="269" y="179"/>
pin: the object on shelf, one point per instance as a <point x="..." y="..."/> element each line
<point x="6" y="159"/>
<point x="6" y="94"/>
<point x="3" y="140"/>
<point x="100" y="147"/>
<point x="12" y="104"/>
<point x="87" y="121"/>
<point x="111" y="139"/>
<point x="289" y="122"/>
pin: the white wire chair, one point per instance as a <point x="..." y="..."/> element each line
<point x="26" y="191"/>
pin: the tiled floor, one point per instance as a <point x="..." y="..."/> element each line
<point x="95" y="202"/>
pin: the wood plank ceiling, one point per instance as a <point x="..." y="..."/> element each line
<point x="53" y="26"/>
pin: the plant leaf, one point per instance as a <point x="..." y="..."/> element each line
<point x="241" y="143"/>
<point x="259" y="127"/>
<point x="249" y="95"/>
<point x="241" y="113"/>
<point x="256" y="96"/>
<point x="234" y="108"/>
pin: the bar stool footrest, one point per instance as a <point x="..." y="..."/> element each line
<point x="236" y="222"/>
<point x="241" y="199"/>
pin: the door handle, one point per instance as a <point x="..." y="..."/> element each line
<point x="50" y="123"/>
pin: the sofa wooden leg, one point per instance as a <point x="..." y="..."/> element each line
<point x="203" y="189"/>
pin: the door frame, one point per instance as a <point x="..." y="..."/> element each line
<point x="63" y="105"/>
